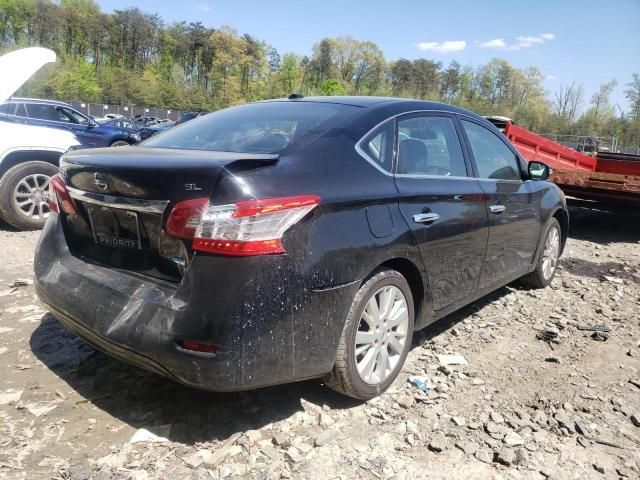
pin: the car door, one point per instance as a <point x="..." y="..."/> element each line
<point x="442" y="203"/>
<point x="513" y="205"/>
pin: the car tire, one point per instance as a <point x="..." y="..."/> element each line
<point x="351" y="373"/>
<point x="28" y="181"/>
<point x="119" y="143"/>
<point x="547" y="263"/>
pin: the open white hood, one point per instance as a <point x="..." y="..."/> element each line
<point x="18" y="66"/>
<point x="15" y="69"/>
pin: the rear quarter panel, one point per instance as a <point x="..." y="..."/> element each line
<point x="302" y="299"/>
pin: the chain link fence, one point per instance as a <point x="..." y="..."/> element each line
<point x="629" y="150"/>
<point x="592" y="144"/>
<point x="99" y="110"/>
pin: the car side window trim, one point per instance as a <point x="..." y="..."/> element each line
<point x="20" y="110"/>
<point x="370" y="134"/>
<point x="476" y="172"/>
<point x="455" y="117"/>
<point x="435" y="177"/>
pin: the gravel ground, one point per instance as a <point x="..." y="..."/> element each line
<point x="522" y="408"/>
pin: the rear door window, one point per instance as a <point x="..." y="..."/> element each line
<point x="494" y="159"/>
<point x="44" y="112"/>
<point x="429" y="145"/>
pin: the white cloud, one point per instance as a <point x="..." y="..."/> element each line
<point x="525" y="42"/>
<point x="549" y="77"/>
<point x="442" y="47"/>
<point x="203" y="7"/>
<point x="495" y="43"/>
<point x="522" y="41"/>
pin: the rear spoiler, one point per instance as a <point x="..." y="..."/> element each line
<point x="253" y="162"/>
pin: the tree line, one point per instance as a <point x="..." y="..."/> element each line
<point x="130" y="57"/>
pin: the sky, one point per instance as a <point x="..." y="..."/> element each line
<point x="589" y="42"/>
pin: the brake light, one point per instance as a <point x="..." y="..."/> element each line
<point x="253" y="227"/>
<point x="198" y="346"/>
<point x="185" y="217"/>
<point x="59" y="197"/>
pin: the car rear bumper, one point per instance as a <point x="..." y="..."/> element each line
<point x="268" y="327"/>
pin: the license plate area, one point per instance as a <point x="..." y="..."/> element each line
<point x="115" y="228"/>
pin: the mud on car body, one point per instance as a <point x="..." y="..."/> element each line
<point x="293" y="239"/>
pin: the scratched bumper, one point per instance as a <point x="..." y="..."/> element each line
<point x="269" y="328"/>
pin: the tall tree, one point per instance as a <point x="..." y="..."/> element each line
<point x="450" y="82"/>
<point x="131" y="57"/>
<point x="633" y="96"/>
<point x="567" y="100"/>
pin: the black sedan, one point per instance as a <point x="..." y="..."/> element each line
<point x="293" y="239"/>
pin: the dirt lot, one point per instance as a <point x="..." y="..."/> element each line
<point x="522" y="408"/>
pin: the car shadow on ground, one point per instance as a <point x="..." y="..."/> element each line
<point x="145" y="400"/>
<point x="441" y="326"/>
<point x="597" y="270"/>
<point x="604" y="227"/>
<point x="5" y="227"/>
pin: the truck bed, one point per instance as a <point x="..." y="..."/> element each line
<point x="605" y="177"/>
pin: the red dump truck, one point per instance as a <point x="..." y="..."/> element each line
<point x="603" y="177"/>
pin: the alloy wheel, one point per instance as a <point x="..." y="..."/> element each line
<point x="381" y="335"/>
<point x="31" y="194"/>
<point x="551" y="253"/>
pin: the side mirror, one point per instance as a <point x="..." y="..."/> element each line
<point x="539" y="171"/>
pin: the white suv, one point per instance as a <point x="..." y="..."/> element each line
<point x="28" y="154"/>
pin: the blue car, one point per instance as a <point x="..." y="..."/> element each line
<point x="54" y="114"/>
<point x="144" y="132"/>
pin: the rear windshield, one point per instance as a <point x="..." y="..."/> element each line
<point x="269" y="127"/>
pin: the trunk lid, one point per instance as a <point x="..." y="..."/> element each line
<point x="123" y="196"/>
<point x="151" y="173"/>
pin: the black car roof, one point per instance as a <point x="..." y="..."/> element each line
<point x="355" y="101"/>
<point x="365" y="102"/>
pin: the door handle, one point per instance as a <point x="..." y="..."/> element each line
<point x="497" y="209"/>
<point x="425" y="217"/>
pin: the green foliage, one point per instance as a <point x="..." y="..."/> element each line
<point x="633" y="95"/>
<point x="77" y="80"/>
<point x="289" y="75"/>
<point x="332" y="87"/>
<point x="131" y="57"/>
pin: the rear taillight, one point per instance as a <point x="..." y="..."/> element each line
<point x="185" y="217"/>
<point x="198" y="346"/>
<point x="59" y="198"/>
<point x="252" y="227"/>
